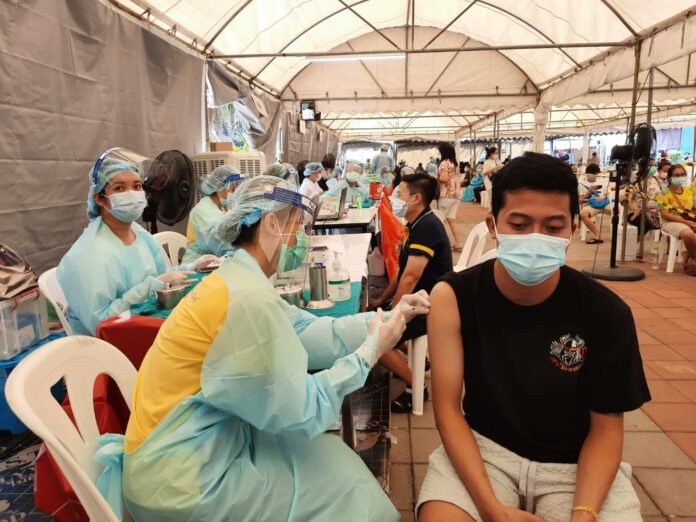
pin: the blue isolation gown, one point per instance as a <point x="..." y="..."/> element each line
<point x="249" y="445"/>
<point x="101" y="277"/>
<point x="200" y="232"/>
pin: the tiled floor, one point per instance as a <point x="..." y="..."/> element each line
<point x="660" y="438"/>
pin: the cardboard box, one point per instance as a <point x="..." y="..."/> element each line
<point x="221" y="146"/>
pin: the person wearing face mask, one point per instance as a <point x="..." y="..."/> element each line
<point x="227" y="423"/>
<point x="662" y="169"/>
<point x="425" y="256"/>
<point x="675" y="202"/>
<point x="490" y="166"/>
<point x="450" y="187"/>
<point x="218" y="189"/>
<point x="356" y="191"/>
<point x="545" y="383"/>
<point x="310" y="186"/>
<point x="634" y="198"/>
<point x="115" y="263"/>
<point x="382" y="165"/>
<point x="327" y="163"/>
<point x="594" y="200"/>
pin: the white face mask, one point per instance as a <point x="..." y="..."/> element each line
<point x="128" y="206"/>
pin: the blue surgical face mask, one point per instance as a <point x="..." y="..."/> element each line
<point x="680" y="181"/>
<point x="531" y="259"/>
<point x="292" y="257"/>
<point x="399" y="206"/>
<point x="127" y="206"/>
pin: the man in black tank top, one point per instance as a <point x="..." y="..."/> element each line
<point x="549" y="360"/>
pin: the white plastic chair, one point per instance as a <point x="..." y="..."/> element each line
<point x="674" y="245"/>
<point x="417" y="351"/>
<point x="174" y="242"/>
<point x="485" y="198"/>
<point x="440" y="215"/>
<point x="51" y="290"/>
<point x="473" y="246"/>
<point x="491" y="254"/>
<point x="78" y="360"/>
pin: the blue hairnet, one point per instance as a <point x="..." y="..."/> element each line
<point x="248" y="207"/>
<point x="98" y="180"/>
<point x="291" y="168"/>
<point x="217" y="180"/>
<point x="337" y="172"/>
<point x="312" y="168"/>
<point x="277" y="170"/>
<point x="407" y="171"/>
<point x="353" y="165"/>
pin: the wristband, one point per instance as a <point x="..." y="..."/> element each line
<point x="587" y="509"/>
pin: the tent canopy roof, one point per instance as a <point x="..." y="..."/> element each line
<point x="449" y="77"/>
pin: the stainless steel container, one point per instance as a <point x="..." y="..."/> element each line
<point x="318" y="283"/>
<point x="168" y="298"/>
<point x="319" y="286"/>
<point x="292" y="295"/>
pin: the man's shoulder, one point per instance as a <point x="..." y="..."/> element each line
<point x="602" y="298"/>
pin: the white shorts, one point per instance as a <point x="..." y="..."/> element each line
<point x="449" y="207"/>
<point x="547" y="490"/>
<point x="596" y="211"/>
<point x="673" y="228"/>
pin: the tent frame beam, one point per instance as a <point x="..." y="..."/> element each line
<point x="442" y="31"/>
<point x="350" y="8"/>
<point x="419" y="97"/>
<point x="478" y="48"/>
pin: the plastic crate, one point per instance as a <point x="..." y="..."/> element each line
<point x="23" y="323"/>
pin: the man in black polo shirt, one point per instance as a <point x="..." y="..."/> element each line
<point x="425" y="256"/>
<point x="549" y="362"/>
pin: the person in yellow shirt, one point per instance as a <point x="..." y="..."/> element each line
<point x="227" y="423"/>
<point x="674" y="201"/>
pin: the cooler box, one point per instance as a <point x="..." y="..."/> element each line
<point x="631" y="242"/>
<point x="23" y="323"/>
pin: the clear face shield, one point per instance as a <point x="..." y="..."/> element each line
<point x="287" y="246"/>
<point x="118" y="175"/>
<point x="291" y="175"/>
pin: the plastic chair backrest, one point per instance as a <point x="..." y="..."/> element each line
<point x="78" y="360"/>
<point x="51" y="290"/>
<point x="473" y="246"/>
<point x="174" y="242"/>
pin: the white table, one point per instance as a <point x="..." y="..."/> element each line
<point x="354" y="218"/>
<point x="352" y="251"/>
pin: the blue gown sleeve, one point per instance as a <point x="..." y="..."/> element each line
<point x="326" y="339"/>
<point x="256" y="369"/>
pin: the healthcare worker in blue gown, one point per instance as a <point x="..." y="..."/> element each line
<point x="355" y="190"/>
<point x="218" y="189"/>
<point x="115" y="263"/>
<point x="227" y="424"/>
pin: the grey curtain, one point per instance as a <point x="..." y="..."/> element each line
<point x="77" y="77"/>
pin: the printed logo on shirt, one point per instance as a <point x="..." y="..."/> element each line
<point x="568" y="353"/>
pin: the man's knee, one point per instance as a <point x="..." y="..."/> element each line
<point x="438" y="511"/>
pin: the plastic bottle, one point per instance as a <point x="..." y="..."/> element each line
<point x="655" y="257"/>
<point x="339" y="281"/>
<point x="359" y="201"/>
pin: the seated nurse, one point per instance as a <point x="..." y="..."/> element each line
<point x="115" y="263"/>
<point x="227" y="423"/>
<point x="351" y="181"/>
<point x="218" y="188"/>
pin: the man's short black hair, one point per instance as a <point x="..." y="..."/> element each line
<point x="539" y="172"/>
<point x="423" y="184"/>
<point x="328" y="161"/>
<point x="592" y="168"/>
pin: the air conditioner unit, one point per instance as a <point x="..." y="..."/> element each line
<point x="251" y="163"/>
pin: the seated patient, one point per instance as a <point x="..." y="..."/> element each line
<point x="546" y="377"/>
<point x="115" y="263"/>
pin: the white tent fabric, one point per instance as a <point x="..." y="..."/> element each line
<point x="266" y="42"/>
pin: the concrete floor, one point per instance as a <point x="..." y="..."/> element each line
<point x="660" y="438"/>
